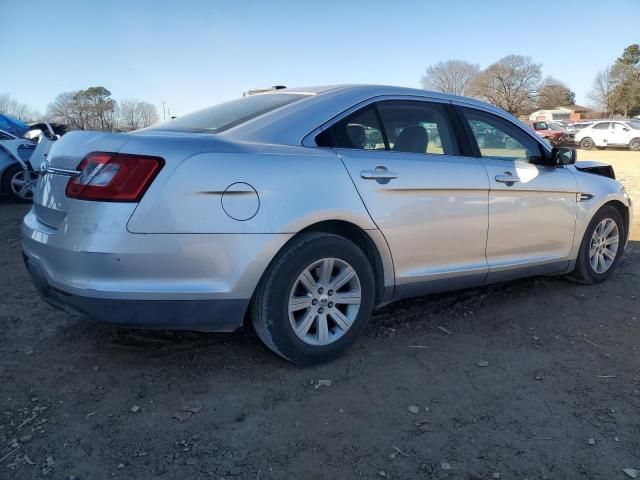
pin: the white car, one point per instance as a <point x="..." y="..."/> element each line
<point x="616" y="133"/>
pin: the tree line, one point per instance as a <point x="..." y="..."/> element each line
<point x="90" y="109"/>
<point x="515" y="84"/>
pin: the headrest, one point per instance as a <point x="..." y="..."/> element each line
<point x="413" y="139"/>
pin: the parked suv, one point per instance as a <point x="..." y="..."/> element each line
<point x="617" y="133"/>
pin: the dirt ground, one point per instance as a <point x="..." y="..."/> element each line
<point x="559" y="398"/>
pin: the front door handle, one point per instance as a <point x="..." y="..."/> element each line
<point x="380" y="175"/>
<point x="508" y="178"/>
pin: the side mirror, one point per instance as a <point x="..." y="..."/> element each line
<point x="563" y="156"/>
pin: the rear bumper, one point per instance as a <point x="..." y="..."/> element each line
<point x="222" y="315"/>
<point x="179" y="281"/>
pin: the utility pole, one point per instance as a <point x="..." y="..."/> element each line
<point x="164" y="113"/>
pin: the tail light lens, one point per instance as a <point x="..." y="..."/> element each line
<point x="113" y="177"/>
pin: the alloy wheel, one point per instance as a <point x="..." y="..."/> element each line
<point x="586" y="143"/>
<point x="23" y="184"/>
<point x="324" y="301"/>
<point x="604" y="245"/>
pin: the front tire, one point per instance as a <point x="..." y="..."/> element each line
<point x="635" y="144"/>
<point x="601" y="246"/>
<point x="315" y="299"/>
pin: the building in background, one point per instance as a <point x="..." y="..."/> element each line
<point x="567" y="113"/>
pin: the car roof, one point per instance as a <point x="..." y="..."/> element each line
<point x="288" y="125"/>
<point x="375" y="90"/>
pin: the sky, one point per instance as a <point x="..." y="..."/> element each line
<point x="195" y="53"/>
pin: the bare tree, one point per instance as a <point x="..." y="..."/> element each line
<point x="553" y="93"/>
<point x="452" y="76"/>
<point x="604" y="92"/>
<point x="13" y="108"/>
<point x="63" y="109"/>
<point x="511" y="84"/>
<point x="134" y="114"/>
<point x="149" y="114"/>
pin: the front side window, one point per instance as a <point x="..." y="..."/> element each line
<point x="498" y="138"/>
<point x="417" y="127"/>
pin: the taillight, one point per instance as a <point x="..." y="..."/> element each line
<point x="113" y="177"/>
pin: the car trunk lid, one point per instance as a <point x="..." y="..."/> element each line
<point x="50" y="202"/>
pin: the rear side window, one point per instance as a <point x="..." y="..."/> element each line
<point x="400" y="126"/>
<point x="602" y="126"/>
<point x="230" y="114"/>
<point x="361" y="131"/>
<point x="498" y="138"/>
<point x="540" y="126"/>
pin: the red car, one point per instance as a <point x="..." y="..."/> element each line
<point x="554" y="133"/>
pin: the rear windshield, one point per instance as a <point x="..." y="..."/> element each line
<point x="230" y="114"/>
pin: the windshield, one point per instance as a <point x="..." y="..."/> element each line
<point x="230" y="114"/>
<point x="555" y="126"/>
<point x="635" y="124"/>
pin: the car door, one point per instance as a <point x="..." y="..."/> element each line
<point x="429" y="201"/>
<point x="621" y="134"/>
<point x="601" y="133"/>
<point x="532" y="207"/>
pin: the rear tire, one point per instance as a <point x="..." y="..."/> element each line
<point x="634" y="144"/>
<point x="284" y="287"/>
<point x="588" y="269"/>
<point x="587" y="143"/>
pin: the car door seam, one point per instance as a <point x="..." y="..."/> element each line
<point x="393" y="267"/>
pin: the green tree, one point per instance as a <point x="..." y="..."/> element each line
<point x="96" y="109"/>
<point x="625" y="73"/>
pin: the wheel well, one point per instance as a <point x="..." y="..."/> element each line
<point x="358" y="236"/>
<point x="624" y="213"/>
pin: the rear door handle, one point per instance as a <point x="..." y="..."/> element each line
<point x="374" y="175"/>
<point x="380" y="174"/>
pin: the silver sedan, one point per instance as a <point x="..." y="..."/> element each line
<point x="301" y="210"/>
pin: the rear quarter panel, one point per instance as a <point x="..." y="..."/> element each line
<point x="296" y="186"/>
